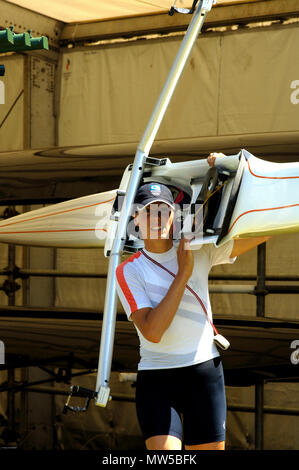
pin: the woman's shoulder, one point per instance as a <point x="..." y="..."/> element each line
<point x="130" y="264"/>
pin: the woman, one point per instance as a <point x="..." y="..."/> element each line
<point x="180" y="391"/>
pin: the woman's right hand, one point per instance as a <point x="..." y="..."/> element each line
<point x="185" y="259"/>
<point x="212" y="157"/>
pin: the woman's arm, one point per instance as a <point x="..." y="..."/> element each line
<point x="153" y="322"/>
<point x="246" y="244"/>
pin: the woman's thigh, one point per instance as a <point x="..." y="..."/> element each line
<point x="204" y="413"/>
<point x="159" y="417"/>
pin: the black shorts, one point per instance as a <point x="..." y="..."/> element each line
<point x="187" y="402"/>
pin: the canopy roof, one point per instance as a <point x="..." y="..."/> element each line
<point x="88" y="10"/>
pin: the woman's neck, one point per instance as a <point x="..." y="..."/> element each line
<point x="158" y="246"/>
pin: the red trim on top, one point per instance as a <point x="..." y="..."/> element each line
<point x="123" y="283"/>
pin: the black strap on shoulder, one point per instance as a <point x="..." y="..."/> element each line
<point x="187" y="287"/>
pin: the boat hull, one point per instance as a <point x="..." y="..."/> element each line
<point x="259" y="198"/>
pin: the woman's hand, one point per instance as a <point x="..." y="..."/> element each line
<point x="212" y="157"/>
<point x="185" y="259"/>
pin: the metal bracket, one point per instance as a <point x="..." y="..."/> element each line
<point x="129" y="248"/>
<point x="205" y="5"/>
<point x="77" y="391"/>
<point x="155" y="161"/>
<point x="184" y="11"/>
<point x="10" y="287"/>
<point x="103" y="396"/>
<point x="117" y="206"/>
<point x="151" y="161"/>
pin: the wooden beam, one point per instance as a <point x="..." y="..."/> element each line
<point x="221" y="15"/>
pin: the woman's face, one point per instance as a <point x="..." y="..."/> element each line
<point x="155" y="221"/>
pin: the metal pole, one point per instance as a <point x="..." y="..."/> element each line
<point x="261" y="280"/>
<point x="10" y="437"/>
<point x="11" y="373"/>
<point x="260" y="312"/>
<point x="244" y="277"/>
<point x="250" y="289"/>
<point x="108" y="327"/>
<point x="54" y="273"/>
<point x="11" y="266"/>
<point x="259" y="415"/>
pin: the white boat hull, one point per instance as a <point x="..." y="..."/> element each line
<point x="266" y="202"/>
<point x="79" y="223"/>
